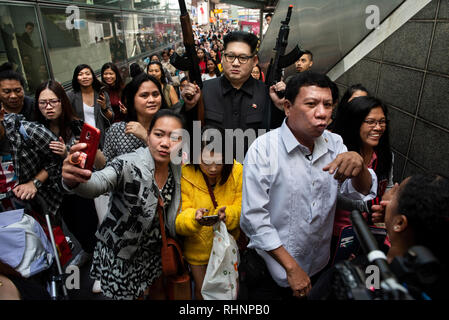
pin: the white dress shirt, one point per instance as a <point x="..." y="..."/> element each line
<point x="288" y="200"/>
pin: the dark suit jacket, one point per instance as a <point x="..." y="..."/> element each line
<point x="103" y="123"/>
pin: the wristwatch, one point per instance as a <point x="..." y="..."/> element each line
<point x="37" y="183"/>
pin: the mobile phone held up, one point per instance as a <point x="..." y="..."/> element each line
<point x="90" y="136"/>
<point x="210" y="218"/>
<point x="102" y="90"/>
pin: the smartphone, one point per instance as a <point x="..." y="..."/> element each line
<point x="210" y="218"/>
<point x="102" y="90"/>
<point x="91" y="136"/>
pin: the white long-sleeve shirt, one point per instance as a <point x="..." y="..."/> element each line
<point x="290" y="201"/>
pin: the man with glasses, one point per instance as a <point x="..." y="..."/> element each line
<point x="12" y="93"/>
<point x="236" y="100"/>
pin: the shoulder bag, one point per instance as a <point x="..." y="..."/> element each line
<point x="177" y="278"/>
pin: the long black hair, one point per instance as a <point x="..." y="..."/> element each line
<point x="348" y="121"/>
<point x="131" y="90"/>
<point x="163" y="78"/>
<point x="118" y="85"/>
<point x="96" y="84"/>
<point x="216" y="70"/>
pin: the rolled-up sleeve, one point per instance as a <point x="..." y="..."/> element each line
<point x="255" y="220"/>
<point x="349" y="191"/>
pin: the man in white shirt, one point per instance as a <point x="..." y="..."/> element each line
<point x="291" y="179"/>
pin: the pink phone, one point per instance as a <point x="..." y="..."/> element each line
<point x="91" y="136"/>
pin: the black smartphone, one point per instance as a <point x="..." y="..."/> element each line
<point x="210" y="218"/>
<point x="102" y="90"/>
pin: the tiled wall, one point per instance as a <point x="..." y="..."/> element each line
<point x="409" y="71"/>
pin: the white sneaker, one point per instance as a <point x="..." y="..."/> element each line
<point x="81" y="259"/>
<point x="96" y="288"/>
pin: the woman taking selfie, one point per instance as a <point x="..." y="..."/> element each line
<point x="88" y="103"/>
<point x="223" y="200"/>
<point x="127" y="259"/>
<point x="155" y="69"/>
<point x="144" y="94"/>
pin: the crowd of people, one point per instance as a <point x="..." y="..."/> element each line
<point x="278" y="197"/>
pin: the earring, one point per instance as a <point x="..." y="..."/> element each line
<point x="396" y="228"/>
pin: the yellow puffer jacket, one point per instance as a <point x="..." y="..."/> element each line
<point x="198" y="239"/>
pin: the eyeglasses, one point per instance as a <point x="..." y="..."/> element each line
<point x="372" y="123"/>
<point x="44" y="103"/>
<point x="242" y="59"/>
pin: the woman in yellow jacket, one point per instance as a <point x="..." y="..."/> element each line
<point x="225" y="181"/>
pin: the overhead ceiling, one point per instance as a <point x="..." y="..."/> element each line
<point x="330" y="29"/>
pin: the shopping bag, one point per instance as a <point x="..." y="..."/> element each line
<point x="221" y="279"/>
<point x="24" y="245"/>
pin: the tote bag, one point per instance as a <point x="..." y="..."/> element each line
<point x="221" y="279"/>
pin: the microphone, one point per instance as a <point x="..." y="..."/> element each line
<point x="369" y="245"/>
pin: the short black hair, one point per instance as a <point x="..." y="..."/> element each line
<point x="29" y="23"/>
<point x="309" y="53"/>
<point x="424" y="200"/>
<point x="305" y="79"/>
<point x="183" y="79"/>
<point x="269" y="15"/>
<point x="241" y="36"/>
<point x="7" y="73"/>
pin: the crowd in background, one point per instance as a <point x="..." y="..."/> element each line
<point x="110" y="211"/>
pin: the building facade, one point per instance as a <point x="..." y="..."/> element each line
<point x="48" y="39"/>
